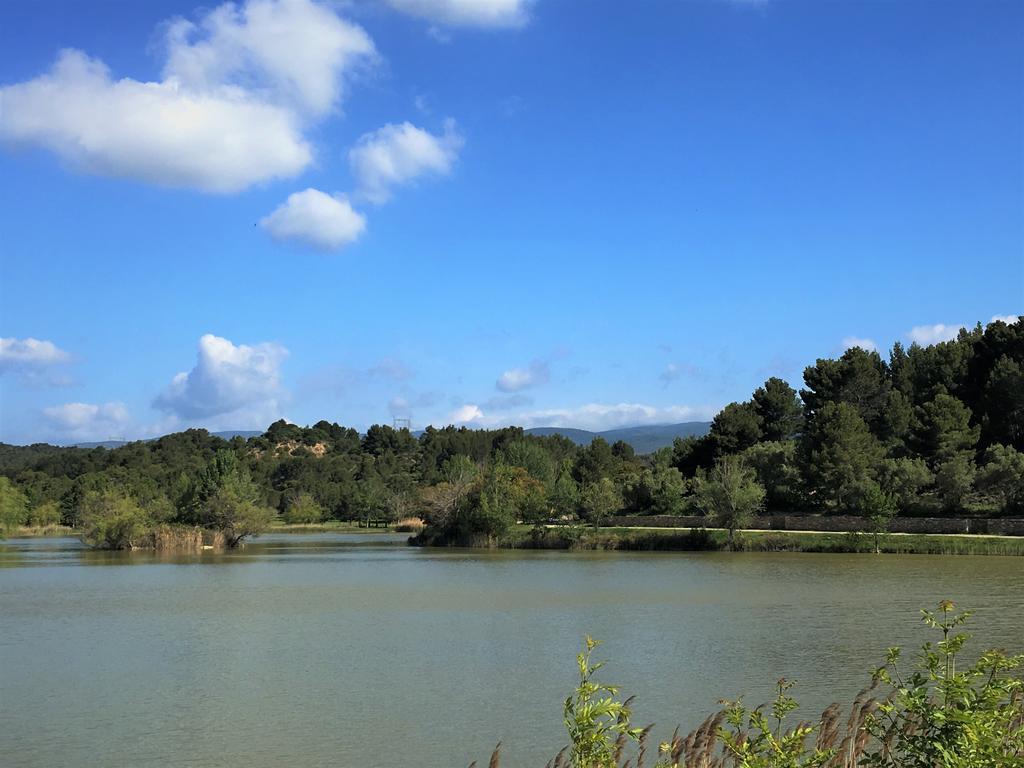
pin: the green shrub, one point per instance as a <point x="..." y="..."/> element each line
<point x="304" y="509"/>
<point x="933" y="716"/>
<point x="113" y="520"/>
<point x="47" y="513"/>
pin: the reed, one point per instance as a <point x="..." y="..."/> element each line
<point x="409" y="525"/>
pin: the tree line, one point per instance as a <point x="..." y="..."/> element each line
<point x="933" y="429"/>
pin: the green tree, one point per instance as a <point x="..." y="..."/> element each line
<point x="565" y="493"/>
<point x="903" y="480"/>
<point x="879" y="508"/>
<point x="13" y="506"/>
<point x="226" y="499"/>
<point x="842" y="455"/>
<point x="947" y="440"/>
<point x="778" y="406"/>
<point x="111" y="519"/>
<point x="858" y="378"/>
<point x="730" y="495"/>
<point x="1002" y="476"/>
<point x="236" y="513"/>
<point x="777" y="468"/>
<point x="507" y="495"/>
<point x="660" y="490"/>
<point x="443" y="505"/>
<point x="599" y="500"/>
<point x="943" y="429"/>
<point x="594" y="462"/>
<point x="45" y="514"/>
<point x="894" y="422"/>
<point x="954" y="479"/>
<point x="734" y="429"/>
<point x="304" y="509"/>
<point x="1003" y="401"/>
<point x="531" y="456"/>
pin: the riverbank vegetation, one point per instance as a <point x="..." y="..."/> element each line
<point x="926" y="431"/>
<point x="936" y="712"/>
<point x="583" y="538"/>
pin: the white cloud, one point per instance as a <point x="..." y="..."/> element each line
<point x="516" y="379"/>
<point x="238" y="89"/>
<point x="315" y="219"/>
<point x="466" y="413"/>
<point x="926" y="335"/>
<point x="295" y="51"/>
<point x="866" y="344"/>
<point x="33" y="361"/>
<point x="231" y="386"/>
<point x="398" y="154"/>
<point x="467" y="13"/>
<point x="87" y="421"/>
<point x="19" y="354"/>
<point x="1008" y="319"/>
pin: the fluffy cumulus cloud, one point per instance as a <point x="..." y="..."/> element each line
<point x="933" y="334"/>
<point x="398" y="154"/>
<point x="231" y="386"/>
<point x="467" y="13"/>
<point x="29" y="358"/>
<point x="1008" y="319"/>
<point x="239" y="87"/>
<point x="87" y="421"/>
<point x="467" y="414"/>
<point x="290" y="52"/>
<point x="855" y="341"/>
<point x="517" y="379"/>
<point x="316" y="220"/>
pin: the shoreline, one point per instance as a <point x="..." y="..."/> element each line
<point x="665" y="539"/>
<point x="647" y="539"/>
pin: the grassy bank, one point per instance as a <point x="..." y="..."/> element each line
<point x="710" y="539"/>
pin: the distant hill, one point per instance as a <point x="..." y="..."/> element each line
<point x="246" y="433"/>
<point x="643" y="439"/>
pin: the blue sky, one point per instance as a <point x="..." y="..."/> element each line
<point x="589" y="214"/>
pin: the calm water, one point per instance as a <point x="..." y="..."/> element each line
<point x="358" y="651"/>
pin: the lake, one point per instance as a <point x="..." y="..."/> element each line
<point x="355" y="650"/>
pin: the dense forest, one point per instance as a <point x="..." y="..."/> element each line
<point x="930" y="430"/>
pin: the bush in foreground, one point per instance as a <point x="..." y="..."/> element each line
<point x="934" y="715"/>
